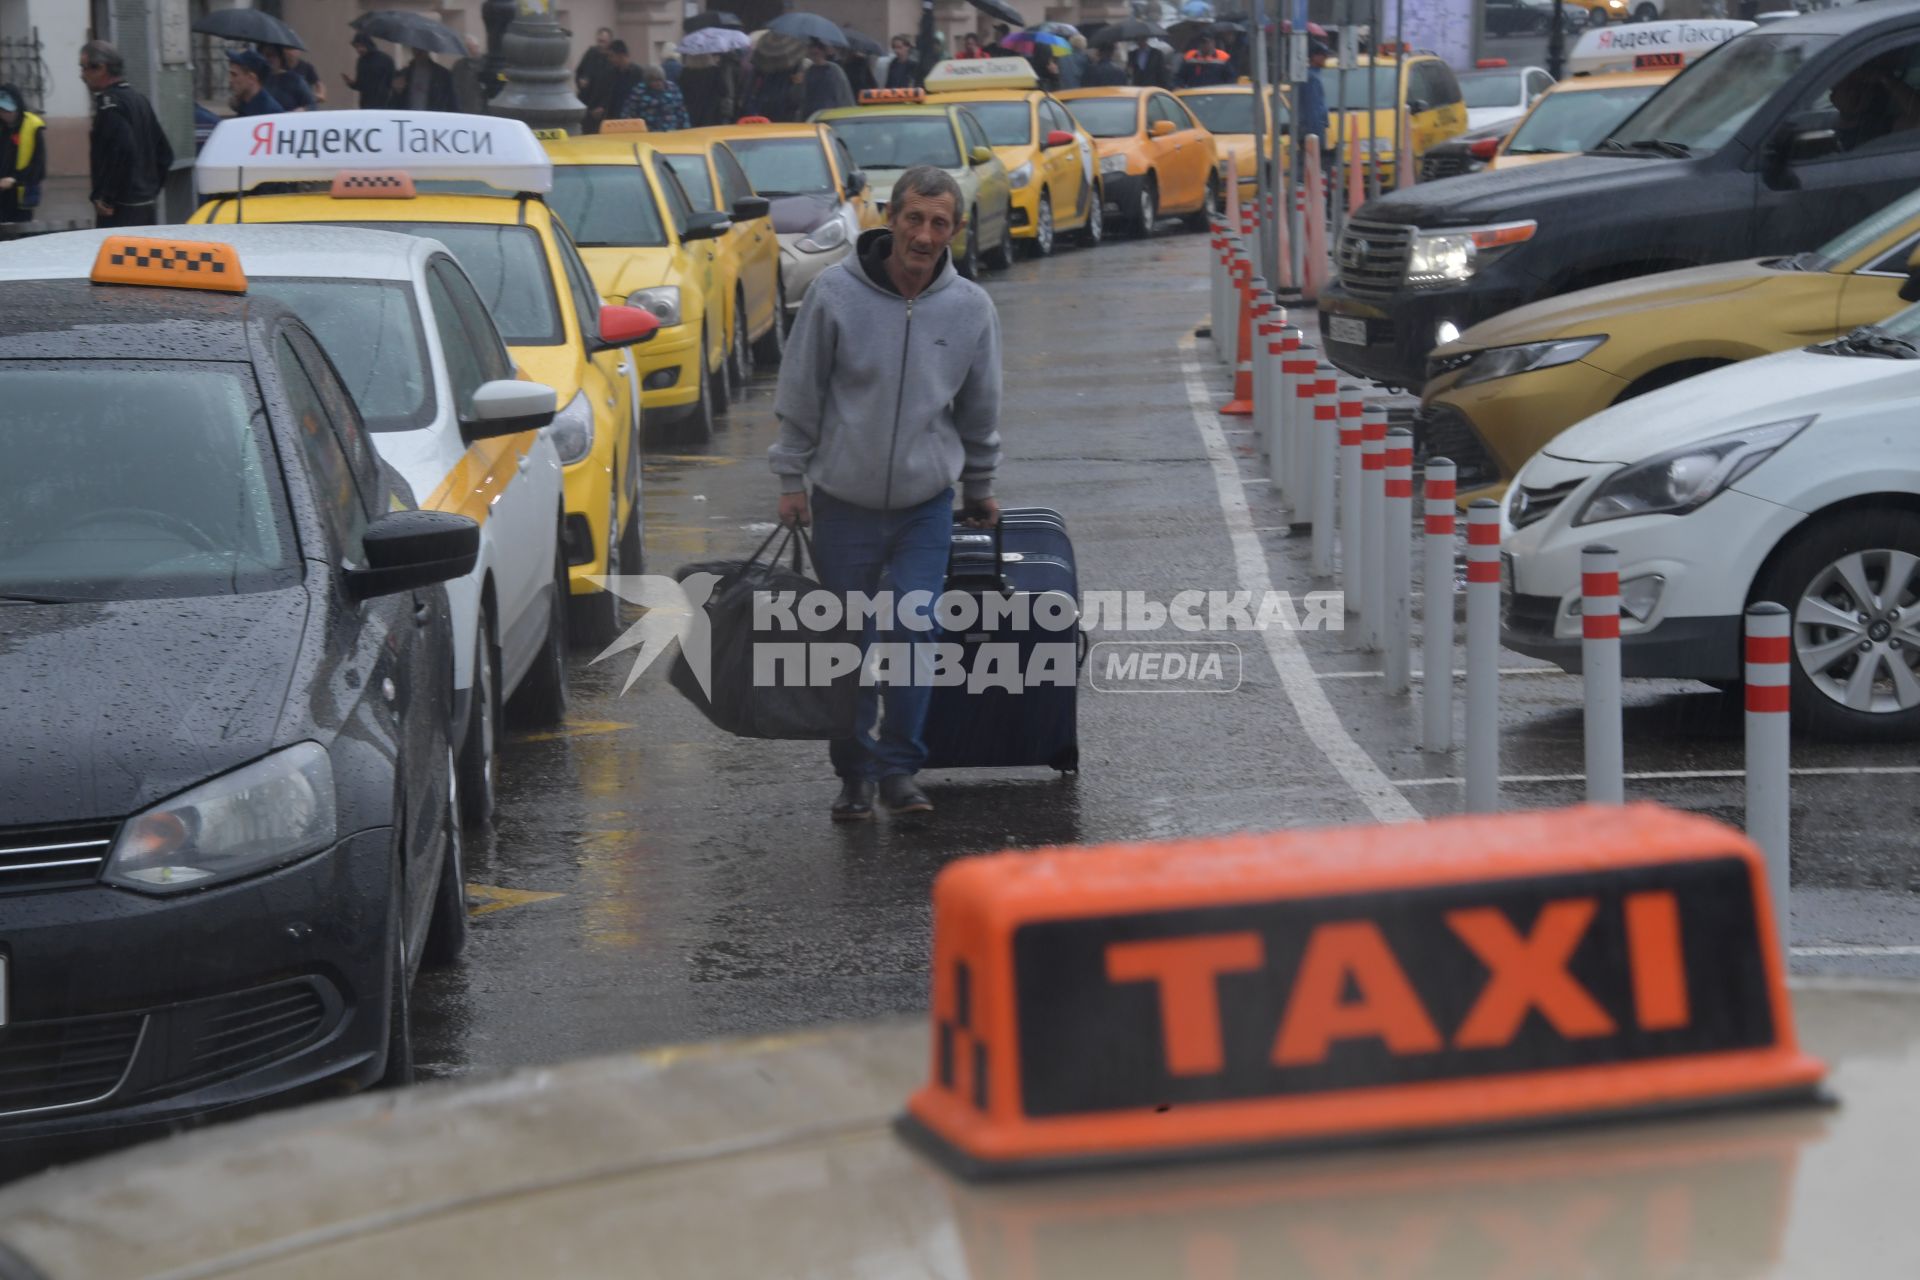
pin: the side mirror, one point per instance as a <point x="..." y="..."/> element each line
<point x="747" y="208"/>
<point x="707" y="226"/>
<point x="1417" y="105"/>
<point x="1160" y="128"/>
<point x="1059" y="138"/>
<point x="1796" y="145"/>
<point x="625" y="326"/>
<point x="408" y="550"/>
<point x="980" y="155"/>
<point x="856" y="183"/>
<point x="507" y="406"/>
<point x="1910" y="289"/>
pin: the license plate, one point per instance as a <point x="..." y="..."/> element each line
<point x="1347" y="329"/>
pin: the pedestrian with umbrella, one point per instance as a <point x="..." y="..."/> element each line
<point x="1205" y="66"/>
<point x="372" y="76"/>
<point x="710" y="80"/>
<point x="619" y="86"/>
<point x="1103" y="72"/>
<point x="913" y="58"/>
<point x="247" y="74"/>
<point x="825" y="84"/>
<point x="423" y="84"/>
<point x="1073" y="68"/>
<point x="775" y="91"/>
<point x="288" y="87"/>
<point x="247" y="26"/>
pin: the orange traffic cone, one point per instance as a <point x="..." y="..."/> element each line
<point x="1241" y="406"/>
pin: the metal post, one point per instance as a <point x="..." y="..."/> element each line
<point x="1373" y="518"/>
<point x="539" y="88"/>
<point x="1262" y="253"/>
<point x="1302" y="377"/>
<point x="1326" y="438"/>
<point x="1398" y="536"/>
<point x="1266" y="371"/>
<point x="1769" y="750"/>
<point x="1483" y="656"/>
<point x="1401" y="137"/>
<point x="1436" y="651"/>
<point x="1343" y="140"/>
<point x="1600" y="667"/>
<point x="1557" y="42"/>
<point x="1296" y="240"/>
<point x="1373" y="103"/>
<point x="1353" y="529"/>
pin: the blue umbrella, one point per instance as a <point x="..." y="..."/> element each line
<point x="1196" y="9"/>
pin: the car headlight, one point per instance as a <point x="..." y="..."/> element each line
<point x="1116" y="163"/>
<point x="663" y="302"/>
<point x="1441" y="256"/>
<point x="572" y="429"/>
<point x="830" y="234"/>
<point x="1022" y="176"/>
<point x="260" y="816"/>
<point x="1683" y="479"/>
<point x="1504" y="362"/>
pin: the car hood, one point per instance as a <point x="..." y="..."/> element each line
<point x="1791" y="384"/>
<point x="1601" y="309"/>
<point x="617" y="272"/>
<point x="793" y="215"/>
<point x="1526" y="192"/>
<point x="113" y="706"/>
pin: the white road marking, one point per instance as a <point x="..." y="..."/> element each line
<point x="1458" y="675"/>
<point x="1682" y="775"/>
<point x="1297" y="679"/>
<point x="1861" y="950"/>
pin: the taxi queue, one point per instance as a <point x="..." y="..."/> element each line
<point x="380" y="410"/>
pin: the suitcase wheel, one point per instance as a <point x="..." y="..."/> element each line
<point x="1066" y="759"/>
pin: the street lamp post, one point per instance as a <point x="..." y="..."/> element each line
<point x="1557" y="41"/>
<point x="536" y="51"/>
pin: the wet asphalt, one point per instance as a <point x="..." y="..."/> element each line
<point x="650" y="880"/>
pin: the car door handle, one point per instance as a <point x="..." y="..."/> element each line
<point x="526" y="460"/>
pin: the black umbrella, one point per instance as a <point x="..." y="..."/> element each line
<point x="861" y="42"/>
<point x="411" y="30"/>
<point x="1001" y="10"/>
<point x="250" y="25"/>
<point x="713" y="18"/>
<point x="808" y="26"/>
<point x="1131" y="29"/>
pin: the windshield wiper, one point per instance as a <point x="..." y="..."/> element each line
<point x="775" y="195"/>
<point x="1872" y="340"/>
<point x="1660" y="146"/>
<point x="1615" y="147"/>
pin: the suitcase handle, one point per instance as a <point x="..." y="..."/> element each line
<point x="999" y="557"/>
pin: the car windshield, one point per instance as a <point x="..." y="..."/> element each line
<point x="1223" y="112"/>
<point x="784" y="166"/>
<point x="1363" y="88"/>
<point x="1705" y="105"/>
<point x="1008" y="124"/>
<point x="1107" y="117"/>
<point x="371" y="331"/>
<point x="508" y="265"/>
<point x="1576" y="120"/>
<point x="137" y="480"/>
<point x="1861" y="236"/>
<point x="694" y="179"/>
<point x="1491" y="88"/>
<point x="607" y="205"/>
<point x="887" y="141"/>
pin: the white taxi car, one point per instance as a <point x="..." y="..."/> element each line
<point x="1790" y="478"/>
<point x="412" y="341"/>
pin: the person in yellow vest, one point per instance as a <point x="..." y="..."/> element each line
<point x="23" y="157"/>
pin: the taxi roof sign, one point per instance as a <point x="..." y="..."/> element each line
<point x="870" y="97"/>
<point x="1314" y="988"/>
<point x="1620" y="46"/>
<point x="170" y="264"/>
<point x="377" y="184"/>
<point x="625" y="125"/>
<point x="315" y="146"/>
<point x="957" y="74"/>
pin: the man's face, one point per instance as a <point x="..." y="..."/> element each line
<point x="657" y="84"/>
<point x="901" y="48"/>
<point x="971" y="41"/>
<point x="95" y="76"/>
<point x="602" y="38"/>
<point x="922" y="228"/>
<point x="241" y="84"/>
<point x="622" y="60"/>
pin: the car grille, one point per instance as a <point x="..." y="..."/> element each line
<point x="1530" y="506"/>
<point x="237" y="1033"/>
<point x="53" y="857"/>
<point x="1372" y="258"/>
<point x="1446" y="162"/>
<point x="67" y="1063"/>
<point x="1441" y="431"/>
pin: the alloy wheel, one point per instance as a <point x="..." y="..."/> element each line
<point x="1856" y="631"/>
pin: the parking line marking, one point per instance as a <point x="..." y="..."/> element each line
<point x="1297" y="679"/>
<point x="1864" y="949"/>
<point x="574" y="729"/>
<point x="1682" y="775"/>
<point x="495" y="898"/>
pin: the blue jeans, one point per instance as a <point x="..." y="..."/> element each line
<point x="860" y="549"/>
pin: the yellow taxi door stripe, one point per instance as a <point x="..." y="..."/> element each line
<point x="480" y="477"/>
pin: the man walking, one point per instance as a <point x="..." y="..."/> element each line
<point x="247" y="75"/>
<point x="372" y="76"/>
<point x="890" y="393"/>
<point x="129" y="155"/>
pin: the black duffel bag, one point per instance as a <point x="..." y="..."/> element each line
<point x="738" y="704"/>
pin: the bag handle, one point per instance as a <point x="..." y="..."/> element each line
<point x="796" y="542"/>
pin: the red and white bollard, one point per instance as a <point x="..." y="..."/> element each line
<point x="1600" y="673"/>
<point x="1373" y="519"/>
<point x="1398" y="622"/>
<point x="1326" y="442"/>
<point x="1769" y="749"/>
<point x="1283" y="347"/>
<point x="1353" y="529"/>
<point x="1483" y="657"/>
<point x="1268" y="319"/>
<point x="1436" y="652"/>
<point x="1302" y="371"/>
<point x="1217" y="312"/>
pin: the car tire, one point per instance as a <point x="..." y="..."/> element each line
<point x="771" y="347"/>
<point x="969" y="265"/>
<point x="480" y="742"/>
<point x="741" y="356"/>
<point x="1646" y="13"/>
<point x="594" y="620"/>
<point x="1000" y="257"/>
<point x="1042" y="244"/>
<point x="1146" y="210"/>
<point x="541" y="700"/>
<point x="1819" y="577"/>
<point x="1202" y="218"/>
<point x="633" y="554"/>
<point x="718" y="388"/>
<point x="447" y="931"/>
<point x="1096" y="229"/>
<point x="396" y="1068"/>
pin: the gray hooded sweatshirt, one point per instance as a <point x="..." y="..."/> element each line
<point x="883" y="402"/>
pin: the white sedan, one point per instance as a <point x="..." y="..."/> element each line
<point x="1793" y="478"/>
<point x="1498" y="94"/>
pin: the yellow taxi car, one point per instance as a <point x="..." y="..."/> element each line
<point x="821" y="201"/>
<point x="748" y="255"/>
<point x="1156" y="158"/>
<point x="1364" y="102"/>
<point x="525" y="267"/>
<point x="647" y="246"/>
<point x="1050" y="159"/>
<point x="1228" y="113"/>
<point x="1501" y="390"/>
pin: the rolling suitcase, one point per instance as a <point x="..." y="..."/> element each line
<point x="1029" y="554"/>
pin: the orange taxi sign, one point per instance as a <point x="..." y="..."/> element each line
<point x="1312" y="988"/>
<point x="869" y="97"/>
<point x="372" y="184"/>
<point x="633" y="125"/>
<point x="171" y="264"/>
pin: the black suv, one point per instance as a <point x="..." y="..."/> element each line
<point x="1771" y="144"/>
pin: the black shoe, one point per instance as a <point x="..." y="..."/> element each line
<point x="855" y="801"/>
<point x="901" y="794"/>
